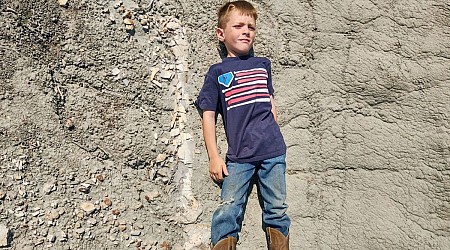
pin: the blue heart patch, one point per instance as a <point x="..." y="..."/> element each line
<point x="226" y="79"/>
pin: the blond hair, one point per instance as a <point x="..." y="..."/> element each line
<point x="243" y="7"/>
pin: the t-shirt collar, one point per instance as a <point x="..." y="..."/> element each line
<point x="236" y="58"/>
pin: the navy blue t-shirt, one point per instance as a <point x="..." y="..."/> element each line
<point x="239" y="88"/>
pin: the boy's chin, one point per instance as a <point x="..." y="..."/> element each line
<point x="244" y="52"/>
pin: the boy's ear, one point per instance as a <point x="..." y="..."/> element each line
<point x="220" y="34"/>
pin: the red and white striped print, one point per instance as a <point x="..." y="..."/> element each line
<point x="251" y="87"/>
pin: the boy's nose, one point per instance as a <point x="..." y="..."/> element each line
<point x="246" y="30"/>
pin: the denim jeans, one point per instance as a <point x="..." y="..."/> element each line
<point x="227" y="218"/>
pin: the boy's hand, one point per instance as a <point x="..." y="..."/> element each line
<point x="217" y="169"/>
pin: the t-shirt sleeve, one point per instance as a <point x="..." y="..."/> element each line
<point x="269" y="77"/>
<point x="208" y="98"/>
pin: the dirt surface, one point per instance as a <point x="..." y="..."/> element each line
<point x="101" y="148"/>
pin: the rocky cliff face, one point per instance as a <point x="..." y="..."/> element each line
<point x="101" y="147"/>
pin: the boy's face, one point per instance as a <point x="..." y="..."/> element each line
<point x="238" y="35"/>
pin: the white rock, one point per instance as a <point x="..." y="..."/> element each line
<point x="150" y="196"/>
<point x="144" y="22"/>
<point x="158" y="84"/>
<point x="178" y="53"/>
<point x="84" y="188"/>
<point x="173" y="26"/>
<point x="5" y="236"/>
<point x="62" y="2"/>
<point x="49" y="187"/>
<point x="92" y="221"/>
<point x="186" y="136"/>
<point x="171" y="43"/>
<point x="181" y="109"/>
<point x="174" y="132"/>
<point x="39" y="242"/>
<point x="20" y="214"/>
<point x="161" y="157"/>
<point x="128" y="21"/>
<point x="153" y="73"/>
<point x="186" y="151"/>
<point x="61" y="210"/>
<point x="51" y="238"/>
<point x="135" y="233"/>
<point x="165" y="74"/>
<point x="88" y="207"/>
<point x="115" y="71"/>
<point x="63" y="236"/>
<point x="52" y="215"/>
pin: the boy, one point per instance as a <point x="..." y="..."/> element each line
<point x="240" y="89"/>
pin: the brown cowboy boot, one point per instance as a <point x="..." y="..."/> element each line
<point x="228" y="243"/>
<point x="276" y="240"/>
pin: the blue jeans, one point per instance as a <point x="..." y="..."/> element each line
<point x="227" y="218"/>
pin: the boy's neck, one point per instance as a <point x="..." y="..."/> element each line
<point x="250" y="53"/>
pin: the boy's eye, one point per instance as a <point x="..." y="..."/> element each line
<point x="238" y="26"/>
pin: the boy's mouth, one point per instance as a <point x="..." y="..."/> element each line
<point x="245" y="40"/>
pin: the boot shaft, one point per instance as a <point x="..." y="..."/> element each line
<point x="228" y="243"/>
<point x="276" y="240"/>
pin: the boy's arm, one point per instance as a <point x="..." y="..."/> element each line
<point x="274" y="109"/>
<point x="217" y="167"/>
